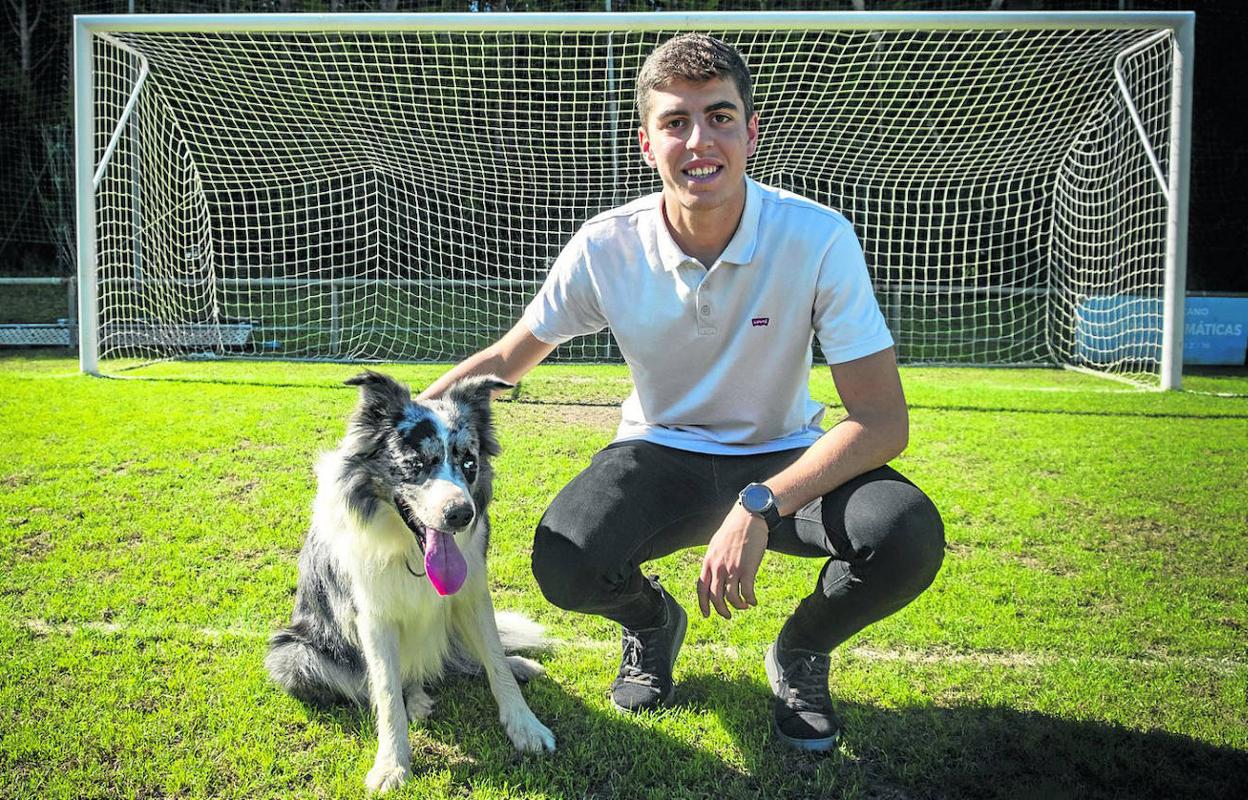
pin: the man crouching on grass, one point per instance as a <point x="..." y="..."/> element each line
<point x="713" y="289"/>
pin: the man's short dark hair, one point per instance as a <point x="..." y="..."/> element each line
<point x="693" y="57"/>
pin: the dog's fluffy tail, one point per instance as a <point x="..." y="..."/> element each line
<point x="309" y="674"/>
<point x="518" y="632"/>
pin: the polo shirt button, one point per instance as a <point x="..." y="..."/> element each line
<point x="706" y="310"/>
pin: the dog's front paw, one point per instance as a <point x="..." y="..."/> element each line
<point x="386" y="776"/>
<point x="529" y="735"/>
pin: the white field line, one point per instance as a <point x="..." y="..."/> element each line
<point x="935" y="656"/>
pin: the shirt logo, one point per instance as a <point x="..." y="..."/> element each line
<point x="760" y="322"/>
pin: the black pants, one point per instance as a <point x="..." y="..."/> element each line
<point x="881" y="537"/>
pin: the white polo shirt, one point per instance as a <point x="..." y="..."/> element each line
<point x="720" y="357"/>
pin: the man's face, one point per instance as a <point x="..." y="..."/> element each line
<point x="698" y="138"/>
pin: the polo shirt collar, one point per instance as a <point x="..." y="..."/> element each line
<point x="741" y="246"/>
<point x="740" y="249"/>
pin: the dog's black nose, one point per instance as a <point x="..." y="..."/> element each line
<point x="458" y="515"/>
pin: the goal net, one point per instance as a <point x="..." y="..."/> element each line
<point x="396" y="187"/>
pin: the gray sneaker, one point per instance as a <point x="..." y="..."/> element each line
<point x="645" y="678"/>
<point x="803" y="715"/>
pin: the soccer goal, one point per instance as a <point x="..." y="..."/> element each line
<point x="395" y="187"/>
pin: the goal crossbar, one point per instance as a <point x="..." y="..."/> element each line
<point x="640" y="21"/>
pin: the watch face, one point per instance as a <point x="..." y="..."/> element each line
<point x="756" y="498"/>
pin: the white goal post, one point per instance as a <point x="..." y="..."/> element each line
<point x="395" y="186"/>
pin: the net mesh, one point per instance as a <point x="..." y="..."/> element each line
<point x="401" y="195"/>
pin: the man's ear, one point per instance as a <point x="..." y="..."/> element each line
<point x="751" y="132"/>
<point x="643" y="139"/>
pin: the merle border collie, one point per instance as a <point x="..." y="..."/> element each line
<point x="392" y="587"/>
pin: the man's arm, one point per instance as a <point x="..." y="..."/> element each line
<point x="874" y="431"/>
<point x="510" y="358"/>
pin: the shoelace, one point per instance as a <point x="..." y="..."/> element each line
<point x="633" y="667"/>
<point x="804" y="686"/>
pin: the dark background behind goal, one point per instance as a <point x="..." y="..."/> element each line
<point x="36" y="144"/>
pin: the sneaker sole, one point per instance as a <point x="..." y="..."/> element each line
<point x="809" y="745"/>
<point x="671" y="693"/>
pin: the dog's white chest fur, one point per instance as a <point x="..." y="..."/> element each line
<point x="381" y="560"/>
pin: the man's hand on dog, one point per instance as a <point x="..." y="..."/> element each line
<point x="731" y="563"/>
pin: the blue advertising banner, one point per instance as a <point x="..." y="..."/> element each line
<point x="1121" y="328"/>
<point x="1215" y="330"/>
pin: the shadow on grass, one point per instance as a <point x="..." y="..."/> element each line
<point x="970" y="751"/>
<point x="1073" y="412"/>
<point x="978" y="751"/>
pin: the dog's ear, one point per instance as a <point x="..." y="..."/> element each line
<point x="477" y="390"/>
<point x="381" y="397"/>
<point x="473" y="394"/>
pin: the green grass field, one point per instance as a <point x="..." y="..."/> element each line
<point x="1087" y="637"/>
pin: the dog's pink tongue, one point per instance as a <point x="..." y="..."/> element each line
<point x="444" y="563"/>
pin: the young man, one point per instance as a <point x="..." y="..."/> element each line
<point x="713" y="289"/>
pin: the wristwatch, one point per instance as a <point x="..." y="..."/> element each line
<point x="757" y="499"/>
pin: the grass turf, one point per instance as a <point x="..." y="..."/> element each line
<point x="1086" y="636"/>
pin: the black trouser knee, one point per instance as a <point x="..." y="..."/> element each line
<point x="896" y="542"/>
<point x="555" y="560"/>
<point x="576" y="580"/>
